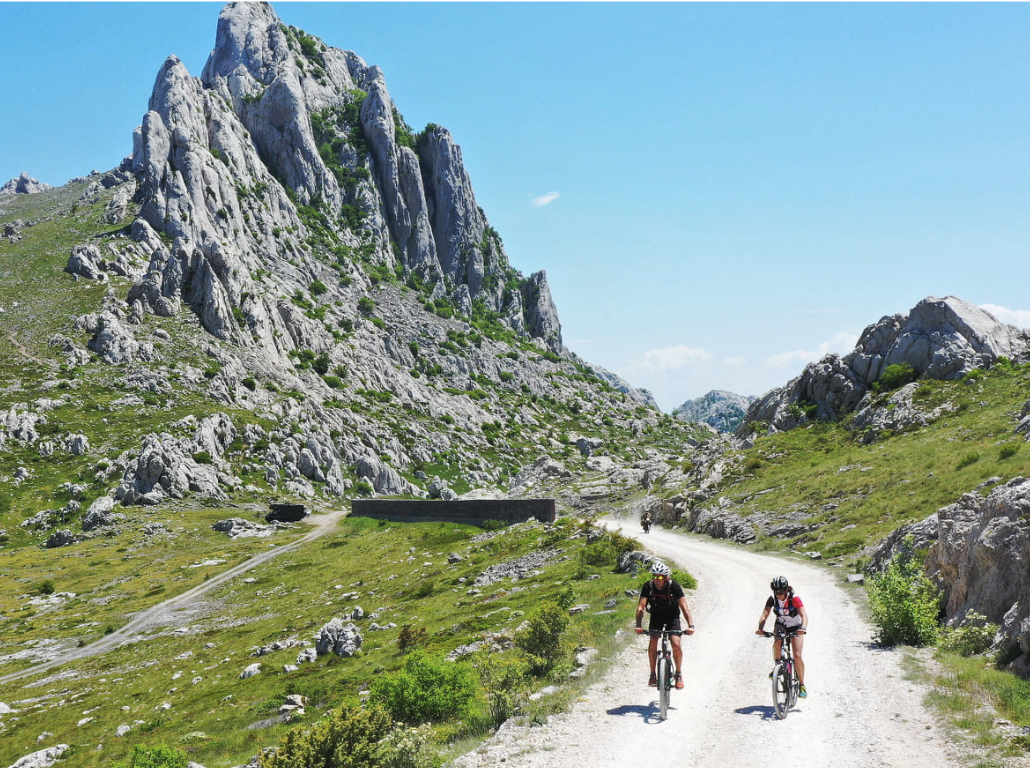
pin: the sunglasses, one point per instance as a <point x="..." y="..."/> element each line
<point x="780" y="592"/>
<point x="658" y="576"/>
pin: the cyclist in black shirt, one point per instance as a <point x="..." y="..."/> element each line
<point x="666" y="600"/>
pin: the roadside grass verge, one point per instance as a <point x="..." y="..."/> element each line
<point x="972" y="694"/>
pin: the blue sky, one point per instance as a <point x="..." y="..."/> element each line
<point x="719" y="193"/>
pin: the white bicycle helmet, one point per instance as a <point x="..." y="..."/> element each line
<point x="660" y="569"/>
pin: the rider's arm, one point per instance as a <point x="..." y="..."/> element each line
<point x="686" y="615"/>
<point x="641" y="607"/>
<point x="804" y="618"/>
<point x="761" y="621"/>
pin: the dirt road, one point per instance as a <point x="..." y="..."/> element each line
<point x="169" y="613"/>
<point x="861" y="711"/>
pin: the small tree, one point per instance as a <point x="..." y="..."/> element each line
<point x="504" y="679"/>
<point x="542" y="638"/>
<point x="905" y="604"/>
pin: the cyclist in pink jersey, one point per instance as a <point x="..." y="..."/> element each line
<point x="791" y="616"/>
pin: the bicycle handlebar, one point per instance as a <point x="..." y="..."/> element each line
<point x="792" y="632"/>
<point x="660" y="632"/>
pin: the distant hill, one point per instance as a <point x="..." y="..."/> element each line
<point x="722" y="410"/>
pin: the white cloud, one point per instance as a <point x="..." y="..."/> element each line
<point x="842" y="343"/>
<point x="670" y="359"/>
<point x="547" y="199"/>
<point x="1017" y="317"/>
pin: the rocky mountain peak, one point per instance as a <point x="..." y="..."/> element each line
<point x="24" y="185"/>
<point x="939" y="338"/>
<point x="719" y="409"/>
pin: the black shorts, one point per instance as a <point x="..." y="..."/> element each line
<point x="659" y="622"/>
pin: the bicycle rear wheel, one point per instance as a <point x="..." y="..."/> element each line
<point x="781" y="690"/>
<point x="664" y="679"/>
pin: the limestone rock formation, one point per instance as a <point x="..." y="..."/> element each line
<point x="939" y="339"/>
<point x="978" y="551"/>
<point x="337" y="637"/>
<point x="722" y="410"/>
<point x="24" y="185"/>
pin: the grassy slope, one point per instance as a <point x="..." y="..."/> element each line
<point x="289" y="597"/>
<point x="852" y="495"/>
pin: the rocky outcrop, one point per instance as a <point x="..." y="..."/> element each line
<point x="44" y="758"/>
<point x="721" y="410"/>
<point x="978" y="550"/>
<point x="24" y="185"/>
<point x="343" y="639"/>
<point x="938" y="339"/>
<point x="899" y="413"/>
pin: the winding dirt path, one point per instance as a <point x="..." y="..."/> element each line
<point x="164" y="614"/>
<point x="861" y="712"/>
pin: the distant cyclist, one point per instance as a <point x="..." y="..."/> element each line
<point x="667" y="601"/>
<point x="645" y="522"/>
<point x="790" y="615"/>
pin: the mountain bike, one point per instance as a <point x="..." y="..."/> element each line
<point x="663" y="668"/>
<point x="785" y="683"/>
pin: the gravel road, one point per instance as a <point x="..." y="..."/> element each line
<point x="861" y="711"/>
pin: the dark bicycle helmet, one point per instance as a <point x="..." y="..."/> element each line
<point x="780" y="582"/>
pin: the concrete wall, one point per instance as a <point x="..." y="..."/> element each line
<point x="507" y="511"/>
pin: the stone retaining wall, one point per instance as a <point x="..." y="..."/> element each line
<point x="507" y="511"/>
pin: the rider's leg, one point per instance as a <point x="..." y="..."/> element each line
<point x="798" y="642"/>
<point x="652" y="652"/>
<point x="677" y="652"/>
<point x="777" y="641"/>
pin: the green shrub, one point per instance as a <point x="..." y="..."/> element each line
<point x="904" y="603"/>
<point x="1008" y="451"/>
<point x="428" y="689"/>
<point x="504" y="677"/>
<point x="317" y="288"/>
<point x="967" y="460"/>
<point x="896" y="376"/>
<point x="203" y="457"/>
<point x="46" y="587"/>
<point x="542" y="638"/>
<point x="155" y="757"/>
<point x="250" y="383"/>
<point x="333" y="382"/>
<point x="411" y="748"/>
<point x="348" y="738"/>
<point x="366" y="306"/>
<point x="975" y="636"/>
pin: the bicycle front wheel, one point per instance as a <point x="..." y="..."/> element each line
<point x="781" y="690"/>
<point x="664" y="679"/>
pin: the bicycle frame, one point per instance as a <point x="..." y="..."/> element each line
<point x="785" y="684"/>
<point x="663" y="668"/>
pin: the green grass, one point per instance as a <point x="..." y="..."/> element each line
<point x="291" y="596"/>
<point x="853" y="494"/>
<point x="971" y="692"/>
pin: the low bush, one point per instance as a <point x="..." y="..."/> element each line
<point x="974" y="637"/>
<point x="904" y="603"/>
<point x="155" y="757"/>
<point x="427" y="690"/>
<point x="504" y="677"/>
<point x="348" y="738"/>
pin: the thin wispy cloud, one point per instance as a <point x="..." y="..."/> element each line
<point x="1017" y="317"/>
<point x="841" y="344"/>
<point x="547" y="199"/>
